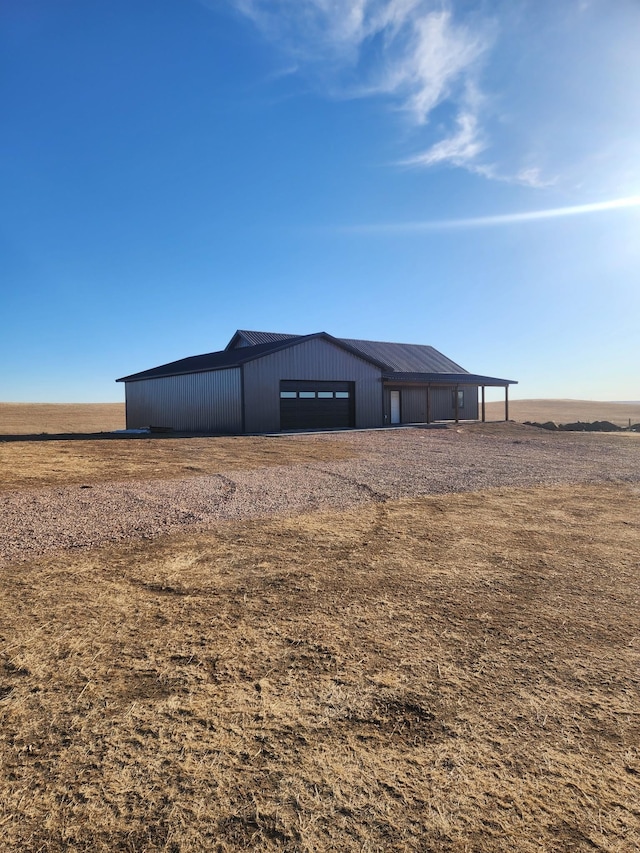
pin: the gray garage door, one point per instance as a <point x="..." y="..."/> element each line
<point x="316" y="405"/>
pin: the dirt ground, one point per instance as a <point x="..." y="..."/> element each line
<point x="456" y="673"/>
<point x="449" y="672"/>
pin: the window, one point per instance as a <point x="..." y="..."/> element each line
<point x="306" y="395"/>
<point x="288" y="395"/>
<point x="325" y="395"/>
<point x="342" y="395"/>
<point x="460" y="399"/>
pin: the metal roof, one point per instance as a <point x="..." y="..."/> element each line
<point x="208" y="361"/>
<point x="236" y="357"/>
<point x="254" y="338"/>
<point x="399" y="362"/>
<point x="407" y="358"/>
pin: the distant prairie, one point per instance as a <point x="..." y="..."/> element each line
<point x="567" y="411"/>
<point x="58" y="418"/>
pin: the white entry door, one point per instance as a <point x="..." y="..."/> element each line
<point x="395" y="407"/>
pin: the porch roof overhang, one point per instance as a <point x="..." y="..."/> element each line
<point x="446" y="379"/>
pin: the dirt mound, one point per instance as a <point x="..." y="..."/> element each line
<point x="581" y="426"/>
<point x="551" y="425"/>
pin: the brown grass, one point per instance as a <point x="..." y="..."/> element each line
<point x="456" y="673"/>
<point x="56" y="418"/>
<point x="566" y="411"/>
<point x="36" y="463"/>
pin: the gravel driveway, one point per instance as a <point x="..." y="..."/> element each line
<point x="388" y="464"/>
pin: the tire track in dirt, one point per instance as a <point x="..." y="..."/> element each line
<point x="364" y="543"/>
<point x="364" y="488"/>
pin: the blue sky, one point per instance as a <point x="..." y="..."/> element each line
<point x="171" y="170"/>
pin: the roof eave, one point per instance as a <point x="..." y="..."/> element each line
<point x="447" y="379"/>
<point x="138" y="377"/>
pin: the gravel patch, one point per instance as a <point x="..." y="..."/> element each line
<point x="389" y="464"/>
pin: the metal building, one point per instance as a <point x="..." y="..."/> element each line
<point x="268" y="382"/>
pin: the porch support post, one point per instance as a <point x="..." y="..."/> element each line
<point x="428" y="404"/>
<point x="455" y="397"/>
<point x="506" y="402"/>
<point x="483" y="410"/>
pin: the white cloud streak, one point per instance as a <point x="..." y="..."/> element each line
<point x="416" y="53"/>
<point x="459" y="149"/>
<point x="492" y="221"/>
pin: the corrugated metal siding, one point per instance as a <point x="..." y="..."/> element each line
<point x="442" y="404"/>
<point x="413" y="404"/>
<point x="315" y="359"/>
<point x="198" y="402"/>
<point x="470" y="412"/>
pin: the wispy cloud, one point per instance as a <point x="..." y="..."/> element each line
<point x="416" y="53"/>
<point x="459" y="149"/>
<point x="530" y="176"/>
<point x="519" y="92"/>
<point x="491" y="221"/>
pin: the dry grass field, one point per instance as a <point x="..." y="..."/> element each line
<point x="150" y="458"/>
<point x="566" y="411"/>
<point x="457" y="672"/>
<point x="57" y="418"/>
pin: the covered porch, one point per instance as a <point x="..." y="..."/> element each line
<point x="429" y="397"/>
